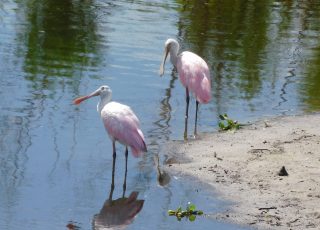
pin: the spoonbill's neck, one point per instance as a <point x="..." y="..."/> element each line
<point x="174" y="49"/>
<point x="104" y="99"/>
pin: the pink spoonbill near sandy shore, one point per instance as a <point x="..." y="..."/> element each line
<point x="121" y="124"/>
<point x="193" y="73"/>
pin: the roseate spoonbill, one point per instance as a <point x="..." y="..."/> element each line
<point x="121" y="124"/>
<point x="194" y="75"/>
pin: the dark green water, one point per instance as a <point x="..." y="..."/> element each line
<point x="55" y="158"/>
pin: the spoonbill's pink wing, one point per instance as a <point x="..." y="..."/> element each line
<point x="195" y="75"/>
<point x="123" y="125"/>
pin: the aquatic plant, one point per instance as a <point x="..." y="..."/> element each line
<point x="226" y="123"/>
<point x="189" y="213"/>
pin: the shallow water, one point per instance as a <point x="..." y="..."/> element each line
<point x="55" y="159"/>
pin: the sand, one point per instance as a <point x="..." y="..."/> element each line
<point x="243" y="167"/>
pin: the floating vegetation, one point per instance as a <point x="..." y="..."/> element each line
<point x="228" y="124"/>
<point x="189" y="213"/>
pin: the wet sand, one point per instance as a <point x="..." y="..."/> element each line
<point x="243" y="167"/>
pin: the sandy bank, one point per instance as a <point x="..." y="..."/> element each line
<point x="243" y="167"/>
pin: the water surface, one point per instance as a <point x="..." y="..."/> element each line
<point x="55" y="158"/>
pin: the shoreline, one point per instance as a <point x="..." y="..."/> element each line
<point x="243" y="166"/>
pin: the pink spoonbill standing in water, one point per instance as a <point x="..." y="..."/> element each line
<point x="193" y="73"/>
<point x="121" y="124"/>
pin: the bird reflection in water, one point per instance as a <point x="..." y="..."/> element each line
<point x="162" y="176"/>
<point x="119" y="213"/>
<point x="115" y="214"/>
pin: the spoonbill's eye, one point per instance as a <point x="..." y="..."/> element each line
<point x="103" y="88"/>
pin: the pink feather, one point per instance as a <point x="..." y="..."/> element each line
<point x="122" y="125"/>
<point x="194" y="74"/>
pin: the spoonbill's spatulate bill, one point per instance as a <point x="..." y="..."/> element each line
<point x="194" y="75"/>
<point x="121" y="124"/>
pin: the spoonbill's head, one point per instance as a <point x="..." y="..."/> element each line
<point x="171" y="46"/>
<point x="103" y="91"/>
